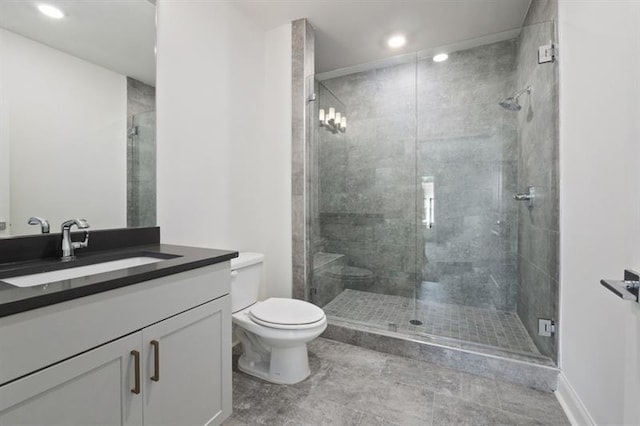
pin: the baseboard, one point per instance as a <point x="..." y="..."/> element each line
<point x="571" y="403"/>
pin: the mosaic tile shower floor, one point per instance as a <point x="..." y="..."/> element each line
<point x="466" y="323"/>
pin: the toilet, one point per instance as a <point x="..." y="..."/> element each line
<point x="274" y="333"/>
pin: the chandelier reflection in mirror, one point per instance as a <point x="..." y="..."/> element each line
<point x="333" y="121"/>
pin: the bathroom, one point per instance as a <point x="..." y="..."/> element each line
<point x="413" y="202"/>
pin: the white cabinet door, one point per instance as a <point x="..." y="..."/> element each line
<point x="93" y="388"/>
<point x="190" y="384"/>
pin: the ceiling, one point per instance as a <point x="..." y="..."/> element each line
<point x="116" y="34"/>
<point x="351" y="32"/>
<point x="120" y="34"/>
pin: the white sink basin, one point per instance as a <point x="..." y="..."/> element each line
<point x="78" y="272"/>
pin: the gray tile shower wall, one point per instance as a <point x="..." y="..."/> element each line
<point x="435" y="122"/>
<point x="367" y="177"/>
<point x="538" y="231"/>
<point x="467" y="148"/>
<point x="302" y="72"/>
<point x="141" y="154"/>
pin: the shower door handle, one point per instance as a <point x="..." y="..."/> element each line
<point x="527" y="196"/>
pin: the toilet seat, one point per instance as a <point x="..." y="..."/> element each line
<point x="286" y="314"/>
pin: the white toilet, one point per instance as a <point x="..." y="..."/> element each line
<point x="274" y="333"/>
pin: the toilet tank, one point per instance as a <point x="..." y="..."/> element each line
<point x="246" y="277"/>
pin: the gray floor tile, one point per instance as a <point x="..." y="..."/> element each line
<point x="313" y="413"/>
<point x="347" y="355"/>
<point x="422" y="374"/>
<point x="393" y="401"/>
<point x="481" y="390"/>
<point x="454" y="411"/>
<point x="370" y="420"/>
<point x="542" y="406"/>
<point x="356" y="386"/>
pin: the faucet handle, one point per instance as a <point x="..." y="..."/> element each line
<point x="82" y="244"/>
<point x="44" y="223"/>
<point x="80" y="223"/>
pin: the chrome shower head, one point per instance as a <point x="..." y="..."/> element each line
<point x="511" y="103"/>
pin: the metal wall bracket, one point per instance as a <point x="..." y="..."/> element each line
<point x="626" y="289"/>
<point x="547" y="53"/>
<point x="546" y="327"/>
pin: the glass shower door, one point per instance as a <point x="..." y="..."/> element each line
<point x="366" y="273"/>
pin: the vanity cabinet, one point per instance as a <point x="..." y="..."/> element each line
<point x="175" y="370"/>
<point x="90" y="389"/>
<point x="184" y="372"/>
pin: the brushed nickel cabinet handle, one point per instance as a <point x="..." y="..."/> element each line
<point x="136" y="360"/>
<point x="156" y="360"/>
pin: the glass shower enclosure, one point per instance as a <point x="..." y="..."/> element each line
<point x="414" y="226"/>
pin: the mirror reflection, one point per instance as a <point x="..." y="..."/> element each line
<point x="77" y="114"/>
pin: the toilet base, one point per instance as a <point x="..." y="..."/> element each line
<point x="284" y="366"/>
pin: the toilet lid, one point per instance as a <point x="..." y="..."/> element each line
<point x="286" y="312"/>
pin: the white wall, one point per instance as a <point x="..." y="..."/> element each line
<point x="600" y="207"/>
<point x="223" y="102"/>
<point x="276" y="194"/>
<point x="67" y="136"/>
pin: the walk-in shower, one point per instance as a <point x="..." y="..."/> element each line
<point x="412" y="223"/>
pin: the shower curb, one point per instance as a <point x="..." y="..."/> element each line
<point x="533" y="375"/>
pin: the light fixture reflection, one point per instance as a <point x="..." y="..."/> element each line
<point x="396" y="41"/>
<point x="333" y="121"/>
<point x="50" y="11"/>
<point x="440" y="57"/>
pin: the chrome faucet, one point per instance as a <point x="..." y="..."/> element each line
<point x="69" y="246"/>
<point x="44" y="223"/>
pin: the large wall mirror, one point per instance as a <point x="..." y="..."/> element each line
<point x="77" y="114"/>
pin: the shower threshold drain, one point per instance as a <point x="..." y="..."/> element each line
<point x="415" y="322"/>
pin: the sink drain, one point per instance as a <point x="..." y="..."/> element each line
<point x="415" y="322"/>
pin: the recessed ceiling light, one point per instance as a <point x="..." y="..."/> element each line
<point x="440" y="57"/>
<point x="396" y="41"/>
<point x="50" y="11"/>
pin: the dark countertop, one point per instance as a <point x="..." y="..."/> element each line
<point x="178" y="259"/>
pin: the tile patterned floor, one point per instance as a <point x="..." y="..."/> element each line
<point x="350" y="385"/>
<point x="488" y="327"/>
